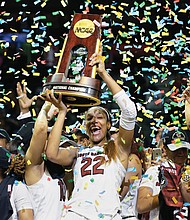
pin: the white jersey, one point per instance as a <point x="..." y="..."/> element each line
<point x="48" y="195"/>
<point x="150" y="179"/>
<point x="20" y="199"/>
<point x="96" y="191"/>
<point x="128" y="204"/>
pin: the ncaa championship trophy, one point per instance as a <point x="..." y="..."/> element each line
<point x="74" y="77"/>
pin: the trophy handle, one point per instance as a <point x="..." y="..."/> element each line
<point x="93" y="75"/>
<point x="62" y="50"/>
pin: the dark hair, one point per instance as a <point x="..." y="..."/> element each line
<point x="137" y="148"/>
<point x="110" y="150"/>
<point x="16" y="147"/>
<point x="78" y="132"/>
<point x="55" y="170"/>
<point x="17" y="167"/>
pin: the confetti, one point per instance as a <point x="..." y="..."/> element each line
<point x="145" y="46"/>
<point x="174" y="200"/>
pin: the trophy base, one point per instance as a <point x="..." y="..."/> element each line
<point x="85" y="93"/>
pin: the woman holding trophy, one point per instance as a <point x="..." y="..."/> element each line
<point x="100" y="168"/>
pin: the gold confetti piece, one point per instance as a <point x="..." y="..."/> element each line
<point x="43" y="4"/>
<point x="35" y="26"/>
<point x="148" y="195"/>
<point x="2" y="100"/>
<point x="168" y="94"/>
<point x="120" y="8"/>
<point x="67" y="129"/>
<point x="120" y="82"/>
<point x="185" y="61"/>
<point x="183" y="10"/>
<point x="28" y="162"/>
<point x="123" y="140"/>
<point x="12" y="104"/>
<point x="174" y="200"/>
<point x="33" y="112"/>
<point x="14" y="37"/>
<point x="47" y="48"/>
<point x="163" y="48"/>
<point x="13" y="30"/>
<point x="85" y="185"/>
<point x="6" y="98"/>
<point x="68" y="170"/>
<point x="165" y="33"/>
<point x="74" y="136"/>
<point x="150" y="177"/>
<point x="176" y="122"/>
<point x="147" y="49"/>
<point x="19" y="18"/>
<point x="113" y="7"/>
<point x="36" y="74"/>
<point x="29" y="40"/>
<point x="134" y="177"/>
<point x="57" y="54"/>
<point x="24" y="72"/>
<point x="148" y="115"/>
<point x="96" y="202"/>
<point x="8" y="93"/>
<point x="139" y="119"/>
<point x="6" y="14"/>
<point x="119" y="189"/>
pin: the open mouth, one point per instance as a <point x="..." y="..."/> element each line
<point x="95" y="130"/>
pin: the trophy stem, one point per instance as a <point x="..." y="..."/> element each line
<point x="62" y="50"/>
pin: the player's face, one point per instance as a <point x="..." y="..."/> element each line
<point x="97" y="125"/>
<point x="179" y="156"/>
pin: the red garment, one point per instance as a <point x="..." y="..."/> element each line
<point x="171" y="175"/>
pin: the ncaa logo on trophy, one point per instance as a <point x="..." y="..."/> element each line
<point x="74" y="78"/>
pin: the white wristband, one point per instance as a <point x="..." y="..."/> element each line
<point x="128" y="110"/>
<point x="24" y="115"/>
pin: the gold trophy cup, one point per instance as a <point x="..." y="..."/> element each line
<point x="74" y="78"/>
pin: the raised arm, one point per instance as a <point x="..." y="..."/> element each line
<point x="134" y="171"/>
<point x="26" y="214"/>
<point x="98" y="60"/>
<point x="63" y="156"/>
<point x="24" y="101"/>
<point x="34" y="160"/>
<point x="186" y="94"/>
<point x="146" y="201"/>
<point x="127" y="106"/>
